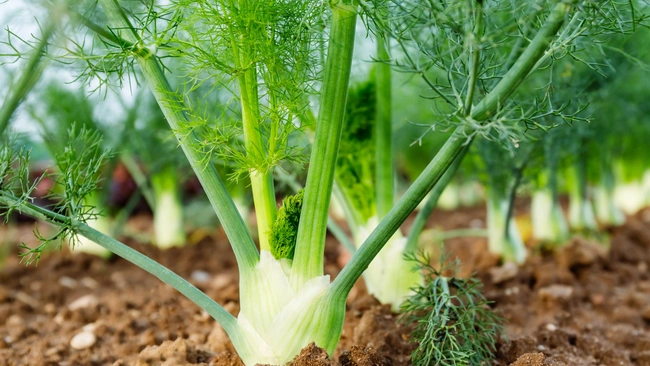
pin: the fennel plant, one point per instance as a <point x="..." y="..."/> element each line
<point x="270" y="54"/>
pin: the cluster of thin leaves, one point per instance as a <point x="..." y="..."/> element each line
<point x="219" y="43"/>
<point x="79" y="164"/>
<point x="212" y="45"/>
<point x="453" y="323"/>
<point x="106" y="62"/>
<point x="435" y="38"/>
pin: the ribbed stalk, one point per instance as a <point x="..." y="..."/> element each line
<point x="308" y="258"/>
<point x="261" y="177"/>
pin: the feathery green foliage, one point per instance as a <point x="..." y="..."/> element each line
<point x="453" y="322"/>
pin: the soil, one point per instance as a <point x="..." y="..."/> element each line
<point x="578" y="305"/>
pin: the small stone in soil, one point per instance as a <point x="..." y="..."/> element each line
<point x="83" y="340"/>
<point x="556" y="292"/>
<point x="551" y="327"/>
<point x="68" y="282"/>
<point x="83" y="302"/>
<point x="90" y="283"/>
<point x="200" y="276"/>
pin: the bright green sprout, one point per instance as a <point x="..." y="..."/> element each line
<point x="285" y="228"/>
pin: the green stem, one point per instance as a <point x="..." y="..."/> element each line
<point x="138" y="176"/>
<point x="398" y="214"/>
<point x="474" y="58"/>
<point x="261" y="177"/>
<point x="422" y="216"/>
<point x="384" y="137"/>
<point x="30" y="75"/>
<point x="308" y="258"/>
<point x="174" y="108"/>
<point x="519" y="175"/>
<point x="340" y="235"/>
<point x="224" y="318"/>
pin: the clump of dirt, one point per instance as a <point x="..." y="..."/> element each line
<point x="312" y="355"/>
<point x="580" y="305"/>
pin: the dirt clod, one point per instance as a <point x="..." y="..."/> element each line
<point x="312" y="355"/>
<point x="360" y="356"/>
<point x="179" y="352"/>
<point x="530" y="359"/>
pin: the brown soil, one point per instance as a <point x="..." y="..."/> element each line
<point x="582" y="305"/>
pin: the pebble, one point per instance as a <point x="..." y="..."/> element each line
<point x="551" y="327"/>
<point x="200" y="276"/>
<point x="68" y="282"/>
<point x="511" y="291"/>
<point x="90" y="283"/>
<point x="83" y="302"/>
<point x="556" y="292"/>
<point x="83" y="340"/>
<point x="26" y="299"/>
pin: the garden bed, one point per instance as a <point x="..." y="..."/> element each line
<point x="582" y="305"/>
